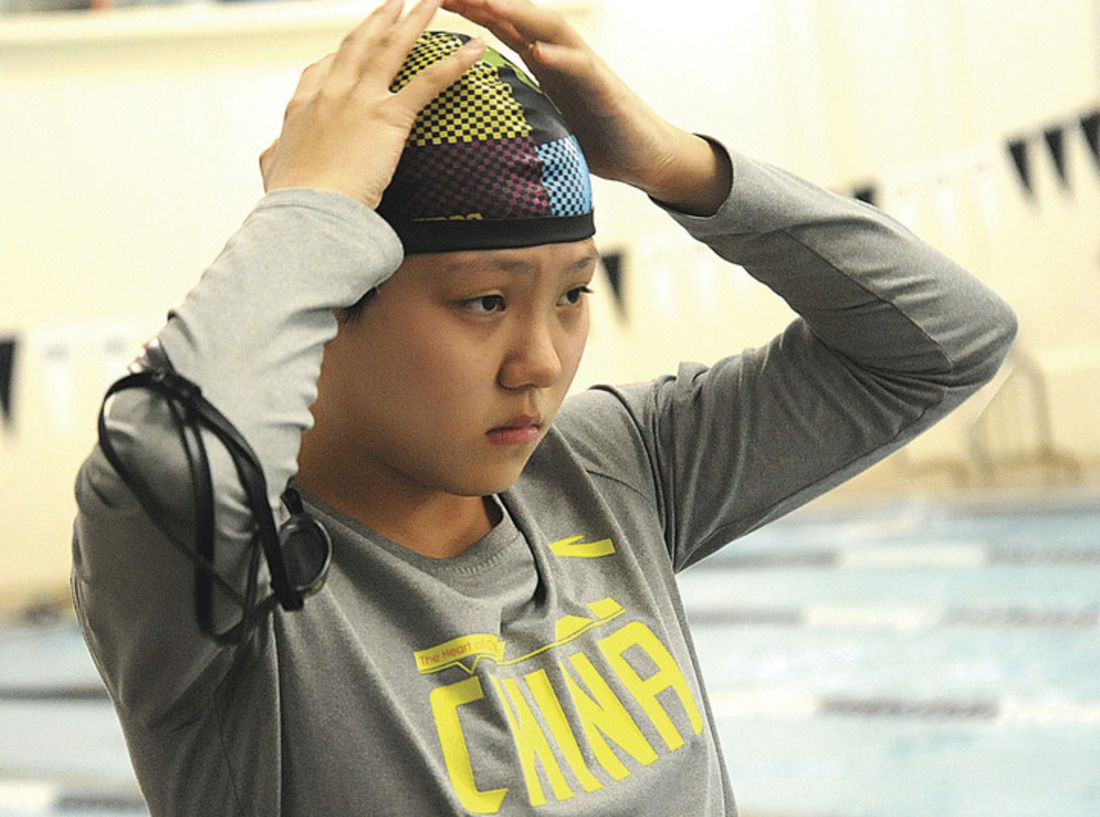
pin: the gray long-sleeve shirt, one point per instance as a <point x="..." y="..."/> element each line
<point x="548" y="669"/>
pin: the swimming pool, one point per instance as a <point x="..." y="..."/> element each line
<point x="911" y="660"/>
<point x="905" y="660"/>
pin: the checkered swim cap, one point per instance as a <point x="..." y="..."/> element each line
<point x="490" y="162"/>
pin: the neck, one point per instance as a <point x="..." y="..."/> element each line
<point x="442" y="527"/>
<point x="433" y="523"/>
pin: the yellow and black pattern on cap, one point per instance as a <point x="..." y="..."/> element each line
<point x="478" y="107"/>
<point x="489" y="163"/>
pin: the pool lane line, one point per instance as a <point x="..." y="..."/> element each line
<point x="779" y="703"/>
<point x="898" y="618"/>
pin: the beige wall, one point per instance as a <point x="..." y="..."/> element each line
<point x="129" y="145"/>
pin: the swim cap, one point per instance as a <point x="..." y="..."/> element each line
<point x="489" y="164"/>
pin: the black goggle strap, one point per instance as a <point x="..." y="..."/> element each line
<point x="191" y="413"/>
<point x="198" y="463"/>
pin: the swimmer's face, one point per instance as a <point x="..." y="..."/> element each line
<point x="452" y="373"/>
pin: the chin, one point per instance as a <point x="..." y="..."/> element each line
<point x="490" y="487"/>
<point x="489" y="475"/>
<point x="496" y="482"/>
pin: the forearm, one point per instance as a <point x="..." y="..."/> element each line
<point x="251" y="335"/>
<point x="891" y="336"/>
<point x="867" y="287"/>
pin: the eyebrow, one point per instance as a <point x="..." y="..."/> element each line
<point x="509" y="265"/>
<point x="521" y="266"/>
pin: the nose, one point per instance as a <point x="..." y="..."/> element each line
<point x="532" y="359"/>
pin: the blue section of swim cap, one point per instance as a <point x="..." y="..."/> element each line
<point x="565" y="177"/>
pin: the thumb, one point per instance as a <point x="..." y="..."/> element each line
<point x="440" y="76"/>
<point x="265" y="160"/>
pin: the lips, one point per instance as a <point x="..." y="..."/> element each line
<point x="521" y="430"/>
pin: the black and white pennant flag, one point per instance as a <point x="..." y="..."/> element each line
<point x="613" y="266"/>
<point x="1018" y="149"/>
<point x="1090" y="127"/>
<point x="1056" y="146"/>
<point x="866" y="193"/>
<point x="7" y="375"/>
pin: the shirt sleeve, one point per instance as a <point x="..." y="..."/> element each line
<point x="251" y="335"/>
<point x="890" y="337"/>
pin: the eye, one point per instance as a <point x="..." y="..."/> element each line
<point x="485" y="305"/>
<point x="574" y="296"/>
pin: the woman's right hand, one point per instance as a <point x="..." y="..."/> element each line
<point x="623" y="139"/>
<point x="344" y="130"/>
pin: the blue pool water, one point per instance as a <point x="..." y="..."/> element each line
<point x="900" y="661"/>
<point x="908" y="661"/>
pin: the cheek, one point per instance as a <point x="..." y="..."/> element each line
<point x="428" y="375"/>
<point x="572" y="347"/>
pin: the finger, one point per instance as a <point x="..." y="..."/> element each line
<point x="313" y="77"/>
<point x="404" y="36"/>
<point x="533" y="23"/>
<point x="265" y="159"/>
<point x="507" y="34"/>
<point x="439" y="76"/>
<point x="418" y="18"/>
<point x="525" y="28"/>
<point x="564" y="59"/>
<point x="359" y="43"/>
<point x="476" y="11"/>
<point x="473" y="10"/>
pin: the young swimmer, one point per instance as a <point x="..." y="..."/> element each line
<point x="395" y="327"/>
